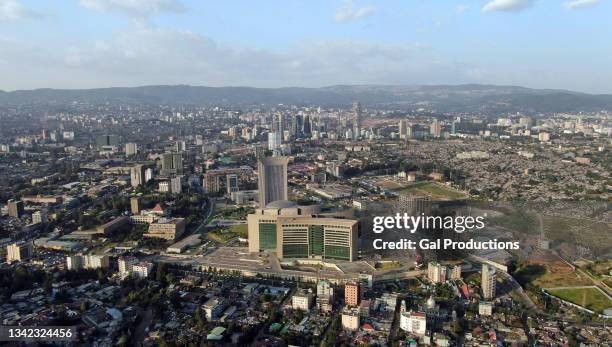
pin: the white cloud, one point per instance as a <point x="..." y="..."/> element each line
<point x="148" y="55"/>
<point x="12" y="10"/>
<point x="577" y="4"/>
<point x="463" y="8"/>
<point x="349" y="12"/>
<point x="136" y="8"/>
<point x="507" y="5"/>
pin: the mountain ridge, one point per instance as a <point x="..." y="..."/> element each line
<point x="445" y="98"/>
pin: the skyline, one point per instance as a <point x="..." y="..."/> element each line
<point x="169" y="42"/>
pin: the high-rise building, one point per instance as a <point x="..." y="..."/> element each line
<point x="435" y="129"/>
<point x="272" y="179"/>
<point x="489" y="278"/>
<point x="527" y="122"/>
<point x="176" y="185"/>
<point x="39" y="217"/>
<point x="352" y="294"/>
<point x="148" y="174"/>
<point x="172" y="164"/>
<point x="274" y="143"/>
<point x="15" y="208"/>
<point x="103" y="141"/>
<point x="19" y="251"/>
<point x="403" y="129"/>
<point x="436" y="272"/>
<point x="232" y="183"/>
<point x="356" y="120"/>
<point x="307" y="127"/>
<point x="135" y="205"/>
<point x="131" y="149"/>
<point x="137" y="175"/>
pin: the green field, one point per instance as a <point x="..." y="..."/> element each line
<point x="241" y="229"/>
<point x="435" y="190"/>
<point x="590" y="298"/>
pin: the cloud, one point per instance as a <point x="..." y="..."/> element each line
<point x="148" y="55"/>
<point x="349" y="12"/>
<point x="577" y="4"/>
<point x="507" y="5"/>
<point x="13" y="10"/>
<point x="463" y="8"/>
<point x="135" y="8"/>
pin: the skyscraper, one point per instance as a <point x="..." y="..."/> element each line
<point x="403" y="129"/>
<point x="272" y="179"/>
<point x="435" y="129"/>
<point x="172" y="163"/>
<point x="274" y="143"/>
<point x="488" y="281"/>
<point x="15" y="208"/>
<point x="131" y="149"/>
<point x="307" y="129"/>
<point x="137" y="175"/>
<point x="356" y="120"/>
<point x="135" y="205"/>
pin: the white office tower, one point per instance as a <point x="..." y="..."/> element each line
<point x="272" y="180"/>
<point x="274" y="143"/>
<point x="489" y="279"/>
<point x="131" y="149"/>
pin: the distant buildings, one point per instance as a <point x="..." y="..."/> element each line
<point x="272" y="179"/>
<point x="488" y="281"/>
<point x="19" y="251"/>
<point x="435" y="129"/>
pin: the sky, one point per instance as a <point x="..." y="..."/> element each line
<point x="557" y="44"/>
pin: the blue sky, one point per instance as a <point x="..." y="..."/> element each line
<point x="565" y="44"/>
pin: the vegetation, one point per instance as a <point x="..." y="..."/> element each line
<point x="591" y="298"/>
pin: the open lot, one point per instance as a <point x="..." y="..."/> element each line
<point x="435" y="190"/>
<point x="588" y="297"/>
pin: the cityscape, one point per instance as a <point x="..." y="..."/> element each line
<point x="357" y="213"/>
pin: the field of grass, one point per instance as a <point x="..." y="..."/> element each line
<point x="436" y="191"/>
<point x="590" y="298"/>
<point x="222" y="235"/>
<point x="241" y="229"/>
